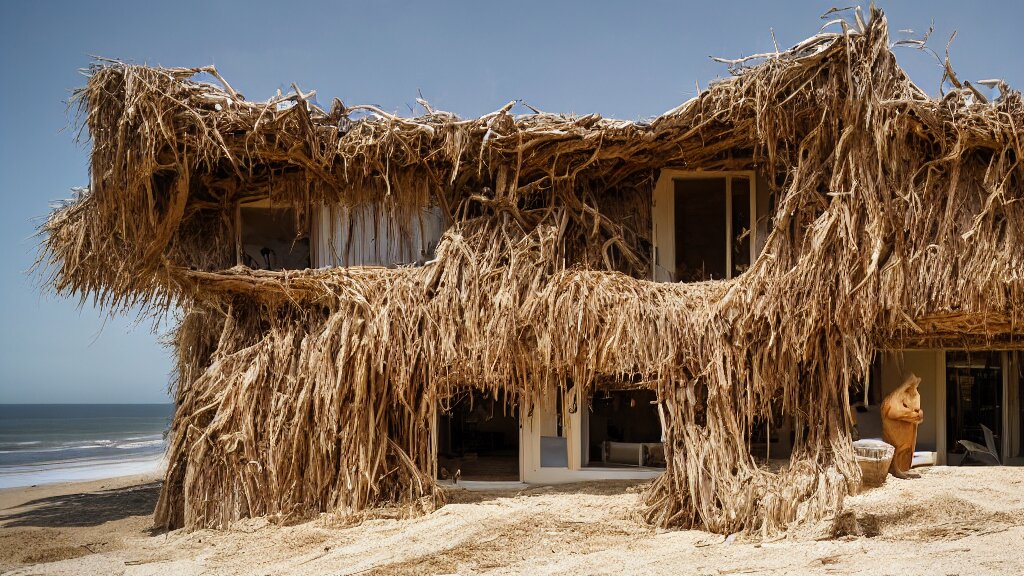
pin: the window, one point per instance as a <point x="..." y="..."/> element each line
<point x="621" y="428"/>
<point x="704" y="225"/>
<point x="272" y="237"/>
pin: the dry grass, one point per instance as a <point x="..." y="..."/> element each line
<point x="898" y="222"/>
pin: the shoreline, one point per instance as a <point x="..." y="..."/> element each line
<point x="80" y="471"/>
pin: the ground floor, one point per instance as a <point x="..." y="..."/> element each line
<point x="565" y="436"/>
<point x="953" y="520"/>
<point x="571" y="436"/>
<point x="962" y="393"/>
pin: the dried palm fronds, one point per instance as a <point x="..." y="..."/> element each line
<point x="898" y="222"/>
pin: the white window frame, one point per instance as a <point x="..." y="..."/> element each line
<point x="663" y="216"/>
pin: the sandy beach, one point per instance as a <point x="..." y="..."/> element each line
<point x="951" y="521"/>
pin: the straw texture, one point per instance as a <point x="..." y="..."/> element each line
<point x="897" y="222"/>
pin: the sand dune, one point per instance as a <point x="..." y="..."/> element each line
<point x="952" y="521"/>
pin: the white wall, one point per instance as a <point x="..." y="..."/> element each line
<point x="930" y="366"/>
<point x="373" y="236"/>
<point x="663" y="217"/>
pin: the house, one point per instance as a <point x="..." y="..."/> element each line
<point x="365" y="299"/>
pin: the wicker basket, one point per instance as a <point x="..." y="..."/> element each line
<point x="874" y="457"/>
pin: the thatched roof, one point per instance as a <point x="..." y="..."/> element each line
<point x="898" y="222"/>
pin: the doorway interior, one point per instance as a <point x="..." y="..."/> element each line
<point x="622" y="429"/>
<point x="478" y="436"/>
<point x="974" y="398"/>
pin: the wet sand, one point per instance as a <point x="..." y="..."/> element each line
<point x="86" y="470"/>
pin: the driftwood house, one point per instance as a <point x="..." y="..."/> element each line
<point x="363" y="299"/>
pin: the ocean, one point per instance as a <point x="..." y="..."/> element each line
<point x="46" y="443"/>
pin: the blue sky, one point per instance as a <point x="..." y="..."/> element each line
<point x="628" y="60"/>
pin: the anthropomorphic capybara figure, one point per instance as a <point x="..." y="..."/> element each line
<point x="901" y="414"/>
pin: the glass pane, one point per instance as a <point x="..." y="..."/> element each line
<point x="740" y="226"/>
<point x="1019" y="363"/>
<point x="974" y="397"/>
<point x="623" y="429"/>
<point x="700" y="229"/>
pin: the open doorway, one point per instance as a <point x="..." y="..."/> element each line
<point x="478" y="437"/>
<point x="622" y="429"/>
<point x="974" y="398"/>
<point x="772" y="438"/>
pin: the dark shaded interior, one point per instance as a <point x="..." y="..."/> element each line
<point x="974" y="397"/>
<point x="273" y="239"/>
<point x="622" y="416"/>
<point x="700" y="229"/>
<point x="740" y="226"/>
<point x="479" y="437"/>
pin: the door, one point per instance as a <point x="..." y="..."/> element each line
<point x="975" y="395"/>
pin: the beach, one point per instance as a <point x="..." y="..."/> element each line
<point x="68" y="520"/>
<point x="951" y="521"/>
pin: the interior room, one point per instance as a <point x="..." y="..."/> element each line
<point x="622" y="429"/>
<point x="478" y="437"/>
<point x="272" y="238"/>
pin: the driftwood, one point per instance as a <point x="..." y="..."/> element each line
<point x="898" y="221"/>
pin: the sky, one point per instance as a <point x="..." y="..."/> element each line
<point x="630" y="60"/>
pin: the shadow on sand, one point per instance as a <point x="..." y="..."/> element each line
<point x="87" y="509"/>
<point x="95" y="508"/>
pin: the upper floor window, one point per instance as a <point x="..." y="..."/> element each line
<point x="272" y="237"/>
<point x="704" y="225"/>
